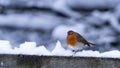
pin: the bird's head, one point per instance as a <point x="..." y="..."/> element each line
<point x="70" y="32"/>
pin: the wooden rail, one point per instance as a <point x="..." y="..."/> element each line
<point x="29" y="61"/>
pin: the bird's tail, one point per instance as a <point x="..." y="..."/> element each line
<point x="91" y="44"/>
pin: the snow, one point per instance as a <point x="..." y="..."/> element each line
<point x="60" y="31"/>
<point x="88" y="4"/>
<point x="60" y="51"/>
<point x="58" y="26"/>
<point x="30" y="21"/>
<point x="50" y="22"/>
<point x="79" y="3"/>
<point x="30" y="48"/>
<point x="5" y="47"/>
<point x="107" y="16"/>
<point x="88" y="53"/>
<point x="64" y="6"/>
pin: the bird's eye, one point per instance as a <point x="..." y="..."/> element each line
<point x="70" y="33"/>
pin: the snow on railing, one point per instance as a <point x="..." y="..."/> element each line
<point x="30" y="48"/>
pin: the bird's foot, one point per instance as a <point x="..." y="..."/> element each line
<point x="75" y="51"/>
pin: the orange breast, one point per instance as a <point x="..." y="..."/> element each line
<point x="71" y="40"/>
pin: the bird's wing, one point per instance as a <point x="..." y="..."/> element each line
<point x="81" y="39"/>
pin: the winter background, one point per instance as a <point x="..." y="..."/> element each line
<point x="35" y="26"/>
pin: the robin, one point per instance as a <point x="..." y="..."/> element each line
<point x="75" y="41"/>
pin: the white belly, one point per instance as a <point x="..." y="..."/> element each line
<point x="78" y="46"/>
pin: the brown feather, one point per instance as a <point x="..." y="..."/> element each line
<point x="73" y="37"/>
<point x="81" y="39"/>
<point x="71" y="40"/>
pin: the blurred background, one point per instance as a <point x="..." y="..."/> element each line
<point x="46" y="21"/>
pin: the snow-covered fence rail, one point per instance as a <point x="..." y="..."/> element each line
<point x="28" y="61"/>
<point x="28" y="55"/>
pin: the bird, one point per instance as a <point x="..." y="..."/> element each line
<point x="76" y="42"/>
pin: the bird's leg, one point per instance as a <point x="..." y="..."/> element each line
<point x="75" y="51"/>
<point x="79" y="50"/>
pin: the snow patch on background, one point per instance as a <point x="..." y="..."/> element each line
<point x="60" y="32"/>
<point x="30" y="48"/>
<point x="41" y="21"/>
